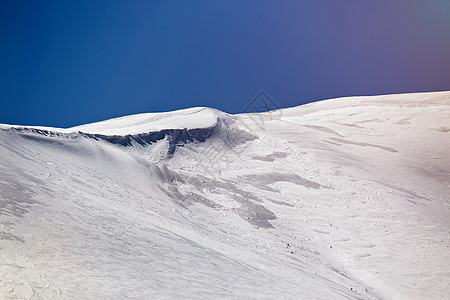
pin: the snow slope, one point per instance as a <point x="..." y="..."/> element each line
<point x="339" y="199"/>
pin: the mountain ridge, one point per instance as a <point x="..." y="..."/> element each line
<point x="327" y="200"/>
<point x="340" y="101"/>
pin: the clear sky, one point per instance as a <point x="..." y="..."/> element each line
<point x="65" y="63"/>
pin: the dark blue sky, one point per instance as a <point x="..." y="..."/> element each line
<point x="65" y="63"/>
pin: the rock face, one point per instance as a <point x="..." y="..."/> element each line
<point x="344" y="198"/>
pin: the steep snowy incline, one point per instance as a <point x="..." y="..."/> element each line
<point x="339" y="199"/>
<point x="387" y="159"/>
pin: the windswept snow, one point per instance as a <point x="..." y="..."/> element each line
<point x="191" y="118"/>
<point x="339" y="199"/>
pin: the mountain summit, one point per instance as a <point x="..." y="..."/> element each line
<point x="343" y="198"/>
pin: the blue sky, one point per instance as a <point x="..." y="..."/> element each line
<point x="65" y="63"/>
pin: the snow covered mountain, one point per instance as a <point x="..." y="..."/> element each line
<point x="339" y="199"/>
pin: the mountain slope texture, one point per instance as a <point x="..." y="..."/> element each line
<point x="339" y="199"/>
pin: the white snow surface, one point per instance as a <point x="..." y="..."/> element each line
<point x="339" y="199"/>
<point x="190" y="118"/>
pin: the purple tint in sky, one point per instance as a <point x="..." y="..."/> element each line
<point x="65" y="63"/>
